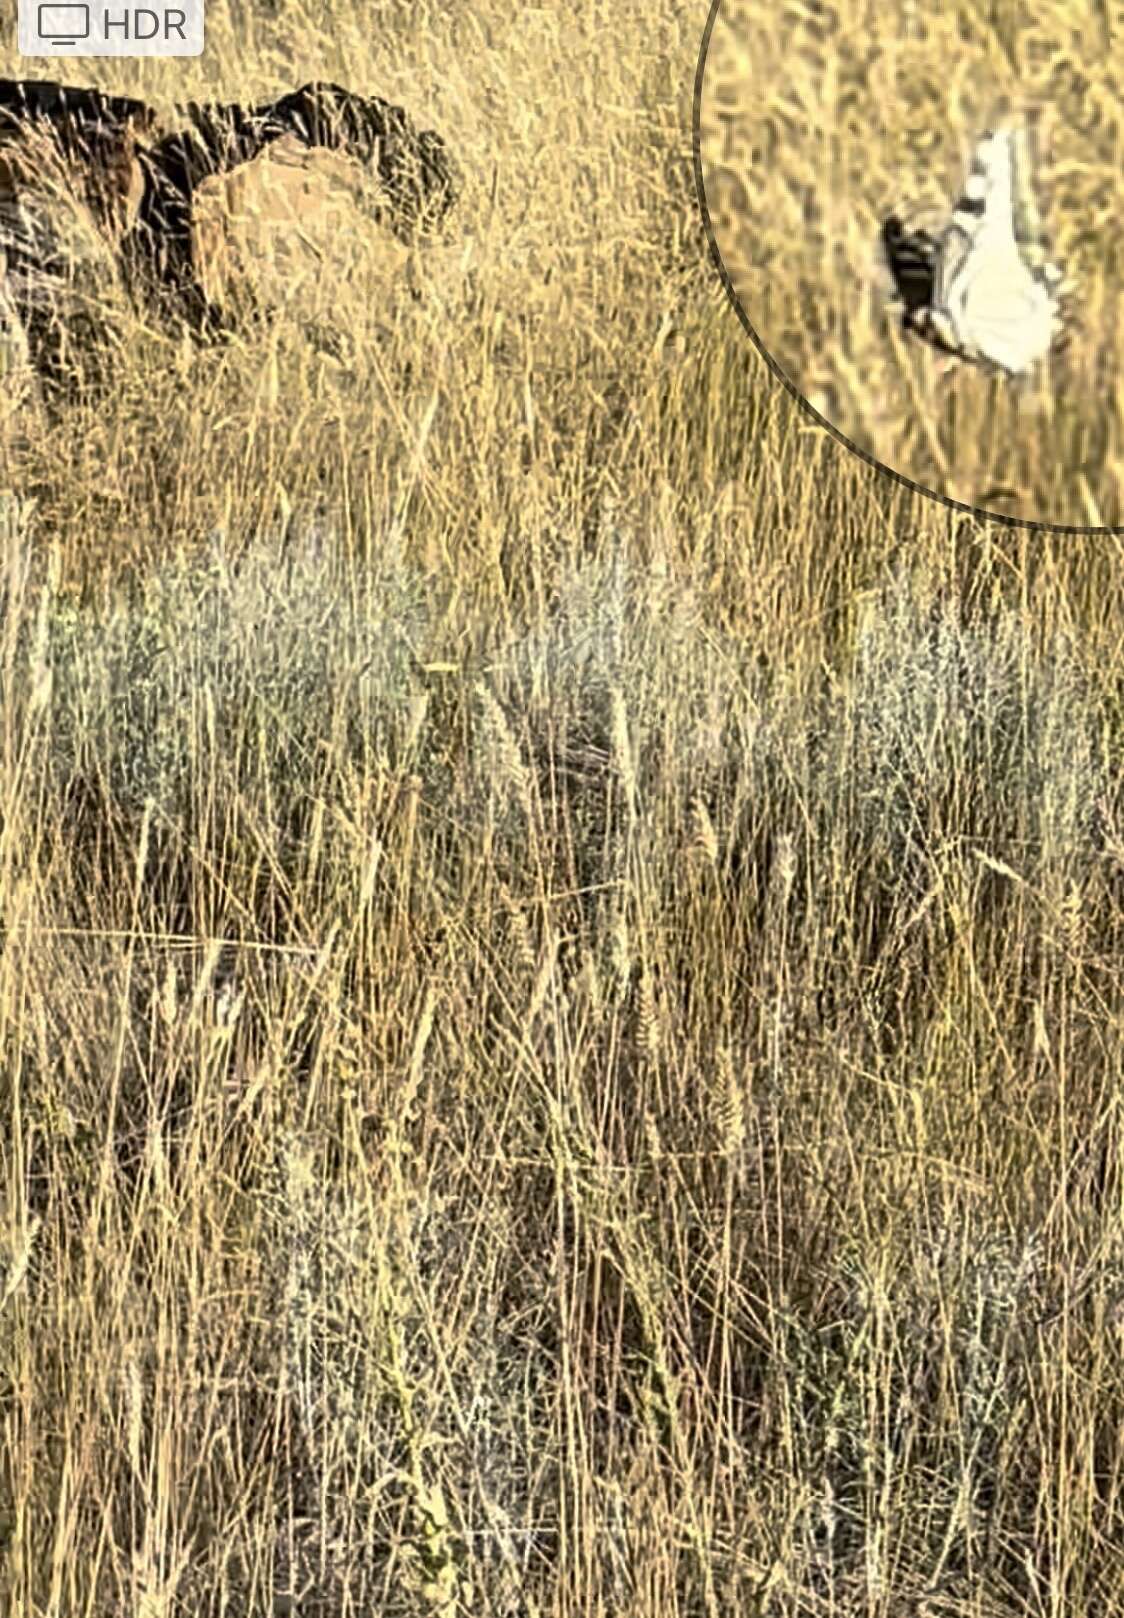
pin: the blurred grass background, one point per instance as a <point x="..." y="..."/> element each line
<point x="560" y="995"/>
<point x="817" y="121"/>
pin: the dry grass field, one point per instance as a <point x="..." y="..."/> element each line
<point x="561" y="937"/>
<point x="819" y="119"/>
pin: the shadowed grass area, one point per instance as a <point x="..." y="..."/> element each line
<point x="560" y="995"/>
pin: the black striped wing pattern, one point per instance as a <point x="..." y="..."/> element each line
<point x="982" y="290"/>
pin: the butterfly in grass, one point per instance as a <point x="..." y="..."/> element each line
<point x="982" y="289"/>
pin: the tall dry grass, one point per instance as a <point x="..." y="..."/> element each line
<point x="560" y="989"/>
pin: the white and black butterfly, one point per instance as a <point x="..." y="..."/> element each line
<point x="982" y="289"/>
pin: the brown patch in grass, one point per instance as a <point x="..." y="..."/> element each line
<point x="277" y="228"/>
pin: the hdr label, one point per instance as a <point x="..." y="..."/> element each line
<point x="111" y="27"/>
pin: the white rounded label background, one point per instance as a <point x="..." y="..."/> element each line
<point x="809" y="132"/>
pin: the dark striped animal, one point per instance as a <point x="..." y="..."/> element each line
<point x="417" y="180"/>
<point x="70" y="188"/>
<point x="139" y="187"/>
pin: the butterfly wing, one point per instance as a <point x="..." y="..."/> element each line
<point x="979" y="291"/>
<point x="912" y="258"/>
<point x="990" y="303"/>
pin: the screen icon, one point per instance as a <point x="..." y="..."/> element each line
<point x="63" y="24"/>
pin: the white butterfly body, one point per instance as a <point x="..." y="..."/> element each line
<point x="990" y="301"/>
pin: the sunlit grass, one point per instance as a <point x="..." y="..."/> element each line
<point x="560" y="989"/>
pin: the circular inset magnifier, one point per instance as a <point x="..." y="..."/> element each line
<point x="907" y="239"/>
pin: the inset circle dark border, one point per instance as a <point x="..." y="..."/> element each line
<point x="782" y="376"/>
